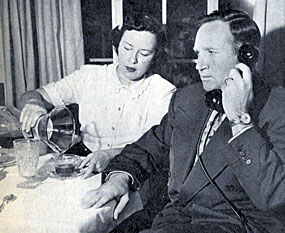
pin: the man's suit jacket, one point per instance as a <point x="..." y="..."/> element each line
<point x="249" y="171"/>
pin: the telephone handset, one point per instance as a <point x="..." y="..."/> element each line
<point x="247" y="54"/>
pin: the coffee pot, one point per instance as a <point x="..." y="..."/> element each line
<point x="57" y="129"/>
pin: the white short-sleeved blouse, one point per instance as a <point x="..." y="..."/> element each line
<point x="112" y="114"/>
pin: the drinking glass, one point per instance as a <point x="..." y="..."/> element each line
<point x="27" y="156"/>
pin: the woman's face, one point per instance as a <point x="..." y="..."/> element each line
<point x="135" y="53"/>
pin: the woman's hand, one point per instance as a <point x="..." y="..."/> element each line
<point x="115" y="188"/>
<point x="97" y="161"/>
<point x="30" y="113"/>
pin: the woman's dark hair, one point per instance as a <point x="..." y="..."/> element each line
<point x="142" y="22"/>
<point x="243" y="28"/>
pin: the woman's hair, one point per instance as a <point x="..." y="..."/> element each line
<point x="243" y="28"/>
<point x="142" y="22"/>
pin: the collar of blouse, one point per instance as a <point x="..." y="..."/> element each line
<point x="135" y="90"/>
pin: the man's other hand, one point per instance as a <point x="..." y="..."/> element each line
<point x="115" y="188"/>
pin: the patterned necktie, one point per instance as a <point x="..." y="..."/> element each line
<point x="215" y="120"/>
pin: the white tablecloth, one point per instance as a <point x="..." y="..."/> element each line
<point x="54" y="206"/>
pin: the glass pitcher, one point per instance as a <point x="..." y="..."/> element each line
<point x="57" y="129"/>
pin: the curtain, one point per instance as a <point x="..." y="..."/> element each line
<point x="41" y="41"/>
<point x="270" y="17"/>
<point x="60" y="38"/>
<point x="16" y="48"/>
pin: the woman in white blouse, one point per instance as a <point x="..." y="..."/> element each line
<point x="117" y="102"/>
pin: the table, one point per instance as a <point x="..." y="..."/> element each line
<point x="54" y="205"/>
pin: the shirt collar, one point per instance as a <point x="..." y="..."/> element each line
<point x="135" y="89"/>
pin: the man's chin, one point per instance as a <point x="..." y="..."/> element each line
<point x="207" y="87"/>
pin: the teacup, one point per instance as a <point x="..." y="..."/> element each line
<point x="66" y="164"/>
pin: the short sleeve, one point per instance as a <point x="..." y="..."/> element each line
<point x="160" y="97"/>
<point x="70" y="88"/>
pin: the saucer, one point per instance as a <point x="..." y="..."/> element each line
<point x="75" y="174"/>
<point x="48" y="170"/>
<point x="7" y="160"/>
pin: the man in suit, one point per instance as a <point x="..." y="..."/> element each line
<point x="225" y="161"/>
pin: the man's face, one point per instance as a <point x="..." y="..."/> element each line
<point x="135" y="53"/>
<point x="216" y="56"/>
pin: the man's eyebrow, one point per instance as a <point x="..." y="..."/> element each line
<point x="211" y="48"/>
<point x="207" y="49"/>
<point x="128" y="43"/>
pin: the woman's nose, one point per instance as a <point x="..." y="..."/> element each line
<point x="133" y="58"/>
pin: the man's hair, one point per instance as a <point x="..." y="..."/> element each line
<point x="243" y="28"/>
<point x="142" y="22"/>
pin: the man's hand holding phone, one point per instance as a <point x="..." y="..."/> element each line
<point x="237" y="91"/>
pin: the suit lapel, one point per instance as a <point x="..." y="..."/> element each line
<point x="193" y="141"/>
<point x="184" y="142"/>
<point x="194" y="133"/>
<point x="213" y="162"/>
